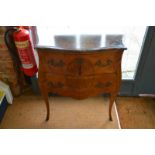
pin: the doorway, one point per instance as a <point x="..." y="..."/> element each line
<point x="143" y="77"/>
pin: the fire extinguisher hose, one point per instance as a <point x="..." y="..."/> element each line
<point x="8" y="37"/>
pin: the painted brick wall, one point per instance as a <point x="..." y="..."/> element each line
<point x="8" y="72"/>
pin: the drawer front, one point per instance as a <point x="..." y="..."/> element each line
<point x="54" y="63"/>
<point x="105" y="83"/>
<point x="58" y="82"/>
<point x="81" y="64"/>
<point x="67" y="86"/>
<point x="81" y="86"/>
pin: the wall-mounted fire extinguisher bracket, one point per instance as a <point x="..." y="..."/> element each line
<point x="25" y="51"/>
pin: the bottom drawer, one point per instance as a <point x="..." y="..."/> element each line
<point x="105" y="82"/>
<point x="84" y="86"/>
<point x="55" y="82"/>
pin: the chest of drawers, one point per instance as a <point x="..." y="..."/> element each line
<point x="80" y="74"/>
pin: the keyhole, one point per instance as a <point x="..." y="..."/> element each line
<point x="80" y="62"/>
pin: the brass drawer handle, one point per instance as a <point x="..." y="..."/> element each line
<point x="103" y="85"/>
<point x="55" y="63"/>
<point x="56" y="85"/>
<point x="103" y="64"/>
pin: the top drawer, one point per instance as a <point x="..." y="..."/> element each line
<point x="76" y="64"/>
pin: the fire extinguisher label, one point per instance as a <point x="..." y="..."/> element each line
<point x="2" y="43"/>
<point x="25" y="53"/>
<point x="22" y="44"/>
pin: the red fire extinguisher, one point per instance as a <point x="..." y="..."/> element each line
<point x="25" y="51"/>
